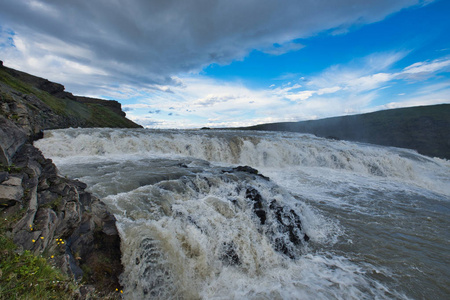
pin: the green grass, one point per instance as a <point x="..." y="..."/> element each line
<point x="24" y="275"/>
<point x="101" y="116"/>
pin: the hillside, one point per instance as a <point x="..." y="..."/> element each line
<point x="37" y="104"/>
<point x="53" y="231"/>
<point x="423" y="128"/>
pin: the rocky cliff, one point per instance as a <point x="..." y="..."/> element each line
<point x="36" y="104"/>
<point x="43" y="212"/>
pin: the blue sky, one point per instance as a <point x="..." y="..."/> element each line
<point x="189" y="64"/>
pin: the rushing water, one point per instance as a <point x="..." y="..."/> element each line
<point x="336" y="220"/>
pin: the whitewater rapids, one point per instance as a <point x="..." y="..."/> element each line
<point x="324" y="219"/>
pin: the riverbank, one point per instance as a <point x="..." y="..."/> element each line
<point x="44" y="215"/>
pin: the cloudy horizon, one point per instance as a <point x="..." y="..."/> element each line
<point x="190" y="64"/>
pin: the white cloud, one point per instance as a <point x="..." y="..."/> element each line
<point x="149" y="42"/>
<point x="422" y="70"/>
<point x="199" y="101"/>
<point x="329" y="90"/>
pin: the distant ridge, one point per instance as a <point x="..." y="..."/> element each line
<point x="41" y="104"/>
<point x="422" y="128"/>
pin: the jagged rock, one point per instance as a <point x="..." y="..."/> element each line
<point x="60" y="217"/>
<point x="4" y="176"/>
<point x="258" y="208"/>
<point x="11" y="137"/>
<point x="50" y="87"/>
<point x="245" y="169"/>
<point x="111" y="104"/>
<point x="11" y="191"/>
<point x="71" y="220"/>
<point x="284" y="219"/>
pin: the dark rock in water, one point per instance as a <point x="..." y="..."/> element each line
<point x="306" y="237"/>
<point x="254" y="195"/>
<point x="258" y="208"/>
<point x="290" y="226"/>
<point x="285" y="223"/>
<point x="229" y="255"/>
<point x="261" y="214"/>
<point x="245" y="169"/>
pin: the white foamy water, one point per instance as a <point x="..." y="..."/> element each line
<point x="336" y="220"/>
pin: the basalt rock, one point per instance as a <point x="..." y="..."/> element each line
<point x="284" y="224"/>
<point x="11" y="137"/>
<point x="63" y="219"/>
<point x="245" y="169"/>
<point x="55" y="216"/>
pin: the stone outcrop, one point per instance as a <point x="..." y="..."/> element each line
<point x="113" y="105"/>
<point x="48" y="214"/>
<point x="280" y="222"/>
<point x="30" y="114"/>
<point x="43" y="84"/>
<point x="12" y="138"/>
<point x="58" y="217"/>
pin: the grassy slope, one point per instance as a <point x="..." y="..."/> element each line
<point x="424" y="128"/>
<point x="92" y="115"/>
<point x="27" y="276"/>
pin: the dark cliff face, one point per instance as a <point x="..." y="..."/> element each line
<point x="54" y="216"/>
<point x="38" y="104"/>
<point x="59" y="219"/>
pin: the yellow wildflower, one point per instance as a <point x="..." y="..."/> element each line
<point x="33" y="241"/>
<point x="42" y="237"/>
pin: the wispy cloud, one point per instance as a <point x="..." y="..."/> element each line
<point x="149" y="42"/>
<point x="368" y="76"/>
<point x="422" y="70"/>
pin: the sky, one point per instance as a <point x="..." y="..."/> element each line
<point x="228" y="63"/>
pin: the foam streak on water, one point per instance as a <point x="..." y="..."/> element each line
<point x="336" y="220"/>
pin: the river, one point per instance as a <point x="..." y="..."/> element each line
<point x="322" y="219"/>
